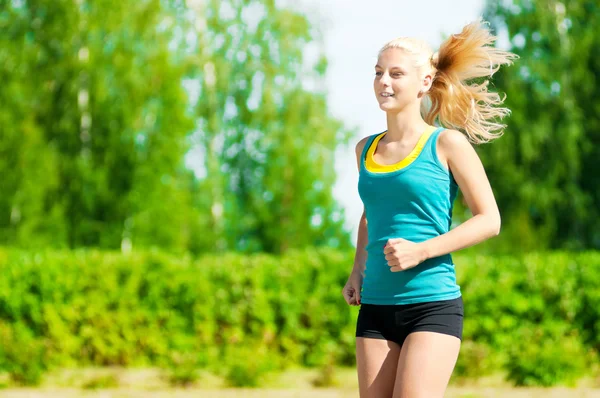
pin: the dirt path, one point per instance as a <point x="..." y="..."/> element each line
<point x="453" y="392"/>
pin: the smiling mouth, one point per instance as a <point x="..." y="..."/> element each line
<point x="387" y="95"/>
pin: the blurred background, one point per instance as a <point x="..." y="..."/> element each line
<point x="178" y="192"/>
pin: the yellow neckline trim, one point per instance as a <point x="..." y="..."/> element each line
<point x="374" y="167"/>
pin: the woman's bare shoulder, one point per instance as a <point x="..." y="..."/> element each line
<point x="361" y="145"/>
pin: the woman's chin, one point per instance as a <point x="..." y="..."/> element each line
<point x="388" y="107"/>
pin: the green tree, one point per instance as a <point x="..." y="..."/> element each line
<point x="27" y="165"/>
<point x="94" y="129"/>
<point x="544" y="168"/>
<point x="266" y="133"/>
<point x="96" y="122"/>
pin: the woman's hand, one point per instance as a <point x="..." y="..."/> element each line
<point x="351" y="290"/>
<point x="402" y="254"/>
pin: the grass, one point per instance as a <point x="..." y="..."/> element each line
<point x="151" y="383"/>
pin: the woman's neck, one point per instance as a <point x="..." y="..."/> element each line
<point x="404" y="126"/>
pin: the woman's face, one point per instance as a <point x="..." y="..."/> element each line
<point x="397" y="82"/>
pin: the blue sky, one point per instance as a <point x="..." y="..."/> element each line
<point x="354" y="31"/>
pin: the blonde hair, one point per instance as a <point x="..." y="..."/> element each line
<point x="456" y="101"/>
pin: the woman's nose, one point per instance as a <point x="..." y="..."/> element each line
<point x="385" y="79"/>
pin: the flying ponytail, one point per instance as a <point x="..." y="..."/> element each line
<point x="456" y="100"/>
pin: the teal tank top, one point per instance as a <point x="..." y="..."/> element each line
<point x="412" y="201"/>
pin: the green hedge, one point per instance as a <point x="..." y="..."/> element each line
<point x="535" y="317"/>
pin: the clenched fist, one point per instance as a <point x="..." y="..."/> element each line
<point x="351" y="290"/>
<point x="402" y="254"/>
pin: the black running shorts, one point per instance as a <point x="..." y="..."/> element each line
<point x="396" y="322"/>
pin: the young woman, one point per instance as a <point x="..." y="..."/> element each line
<point x="410" y="321"/>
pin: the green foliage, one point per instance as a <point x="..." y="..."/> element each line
<point x="101" y="382"/>
<point x="533" y="317"/>
<point x="93" y="125"/>
<point x="542" y="169"/>
<point x="326" y="376"/>
<point x="266" y="131"/>
<point x="546" y="355"/>
<point x="102" y="101"/>
<point x="248" y="364"/>
<point x="524" y="314"/>
<point x="182" y="369"/>
<point x="22" y="355"/>
<point x="475" y="361"/>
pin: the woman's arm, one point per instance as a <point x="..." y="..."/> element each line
<point x="455" y="150"/>
<point x="351" y="291"/>
<point x="360" y="257"/>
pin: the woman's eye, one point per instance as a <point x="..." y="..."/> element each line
<point x="377" y="73"/>
<point x="397" y="74"/>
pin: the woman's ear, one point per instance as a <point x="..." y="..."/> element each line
<point x="426" y="83"/>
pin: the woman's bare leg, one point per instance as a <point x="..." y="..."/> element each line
<point x="376" y="361"/>
<point x="426" y="363"/>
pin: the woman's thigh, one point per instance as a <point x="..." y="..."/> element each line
<point x="426" y="362"/>
<point x="376" y="361"/>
